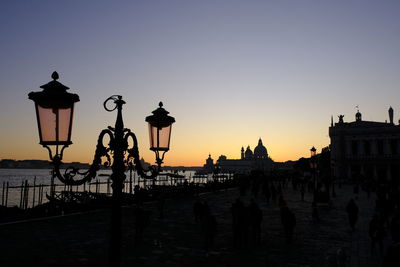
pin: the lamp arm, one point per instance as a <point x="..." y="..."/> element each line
<point x="159" y="160"/>
<point x="71" y="172"/>
<point x="133" y="153"/>
<point x="57" y="154"/>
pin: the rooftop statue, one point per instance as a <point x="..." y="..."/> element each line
<point x="341" y="118"/>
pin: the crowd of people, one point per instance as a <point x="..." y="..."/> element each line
<point x="385" y="222"/>
<point x="246" y="223"/>
<point x="247" y="218"/>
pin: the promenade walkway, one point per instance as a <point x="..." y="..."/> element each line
<point x="82" y="239"/>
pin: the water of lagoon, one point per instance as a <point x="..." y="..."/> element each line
<point x="16" y="177"/>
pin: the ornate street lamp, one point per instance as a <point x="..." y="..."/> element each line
<point x="160" y="124"/>
<point x="313" y="151"/>
<point x="54" y="112"/>
<point x="313" y="166"/>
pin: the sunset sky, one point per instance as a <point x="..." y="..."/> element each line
<point x="230" y="72"/>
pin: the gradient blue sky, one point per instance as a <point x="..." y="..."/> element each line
<point x="229" y="71"/>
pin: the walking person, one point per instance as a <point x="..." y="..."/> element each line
<point x="266" y="191"/>
<point x="209" y="229"/>
<point x="238" y="221"/>
<point x="376" y="233"/>
<point x="255" y="219"/>
<point x="273" y="193"/>
<point x="392" y="256"/>
<point x="142" y="220"/>
<point x="315" y="213"/>
<point x="352" y="212"/>
<point x="161" y="206"/>
<point x="395" y="226"/>
<point x="288" y="220"/>
<point x="302" y="191"/>
<point x="198" y="210"/>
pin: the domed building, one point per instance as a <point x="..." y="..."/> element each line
<point x="260" y="152"/>
<point x="209" y="166"/>
<point x="248" y="154"/>
<point x="249" y="160"/>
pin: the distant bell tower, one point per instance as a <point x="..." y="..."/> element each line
<point x="242" y="153"/>
<point x="358" y="116"/>
<point x="390" y="115"/>
<point x="209" y="166"/>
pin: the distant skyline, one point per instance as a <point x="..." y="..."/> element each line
<point x="230" y="72"/>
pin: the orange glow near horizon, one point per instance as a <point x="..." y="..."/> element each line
<point x="171" y="159"/>
<point x="183" y="152"/>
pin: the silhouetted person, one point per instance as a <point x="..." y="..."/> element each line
<point x="279" y="189"/>
<point x="315" y="213"/>
<point x="138" y="194"/>
<point x="244" y="185"/>
<point x="255" y="219"/>
<point x="387" y="209"/>
<point x="288" y="220"/>
<point x="352" y="212"/>
<point x="142" y="219"/>
<point x="238" y="223"/>
<point x="160" y="206"/>
<point x="356" y="189"/>
<point x="284" y="183"/>
<point x="255" y="187"/>
<point x="209" y="229"/>
<point x="395" y="227"/>
<point x="340" y="258"/>
<point x="302" y="191"/>
<point x="392" y="257"/>
<point x="206" y="208"/>
<point x="383" y="207"/>
<point x="281" y="201"/>
<point x="310" y="187"/>
<point x="368" y="189"/>
<point x="294" y="184"/>
<point x="273" y="193"/>
<point x="197" y="210"/>
<point x="266" y="191"/>
<point x="376" y="233"/>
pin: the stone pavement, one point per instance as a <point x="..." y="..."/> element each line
<point x="82" y="239"/>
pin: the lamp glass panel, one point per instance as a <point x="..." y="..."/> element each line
<point x="54" y="124"/>
<point x="64" y="124"/>
<point x="159" y="137"/>
<point x="47" y="123"/>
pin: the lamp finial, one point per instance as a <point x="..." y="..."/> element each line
<point x="54" y="76"/>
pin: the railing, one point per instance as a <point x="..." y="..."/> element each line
<point x="28" y="195"/>
<point x="31" y="195"/>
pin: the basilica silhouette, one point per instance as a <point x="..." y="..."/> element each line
<point x="249" y="160"/>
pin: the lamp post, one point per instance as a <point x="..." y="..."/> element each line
<point x="54" y="111"/>
<point x="313" y="165"/>
<point x="333" y="179"/>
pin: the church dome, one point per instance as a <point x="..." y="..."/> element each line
<point x="248" y="154"/>
<point x="260" y="152"/>
<point x="209" y="160"/>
